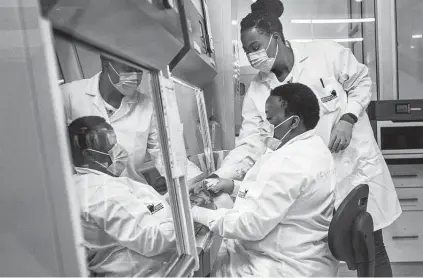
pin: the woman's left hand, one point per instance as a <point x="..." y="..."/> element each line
<point x="341" y="136"/>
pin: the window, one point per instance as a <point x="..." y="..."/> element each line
<point x="409" y="48"/>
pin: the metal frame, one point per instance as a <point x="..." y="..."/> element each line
<point x="387" y="49"/>
<point x="178" y="189"/>
<point x="204" y="124"/>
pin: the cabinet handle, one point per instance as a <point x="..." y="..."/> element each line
<point x="404" y="175"/>
<point x="404" y="237"/>
<point x="408" y="199"/>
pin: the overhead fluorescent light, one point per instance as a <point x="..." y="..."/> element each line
<point x="412" y="46"/>
<point x="417" y="36"/>
<point x="330" y="21"/>
<point x="234" y="22"/>
<point x="336" y="40"/>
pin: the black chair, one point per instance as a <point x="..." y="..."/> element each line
<point x="351" y="233"/>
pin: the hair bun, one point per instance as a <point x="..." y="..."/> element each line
<point x="270" y="7"/>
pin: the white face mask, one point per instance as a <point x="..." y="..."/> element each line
<point x="128" y="82"/>
<point x="274" y="143"/>
<point x="261" y="61"/>
<point x="118" y="156"/>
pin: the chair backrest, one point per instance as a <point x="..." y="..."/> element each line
<point x="351" y="233"/>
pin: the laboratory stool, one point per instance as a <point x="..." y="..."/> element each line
<point x="351" y="233"/>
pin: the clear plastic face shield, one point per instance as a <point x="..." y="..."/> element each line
<point x="113" y="161"/>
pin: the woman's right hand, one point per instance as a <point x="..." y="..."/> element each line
<point x="219" y="185"/>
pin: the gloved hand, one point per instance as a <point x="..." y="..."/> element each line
<point x="219" y="185"/>
<point x="201" y="199"/>
<point x="340" y="137"/>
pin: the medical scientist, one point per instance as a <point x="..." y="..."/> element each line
<point x="121" y="95"/>
<point x="342" y="86"/>
<point x="279" y="224"/>
<point x="128" y="227"/>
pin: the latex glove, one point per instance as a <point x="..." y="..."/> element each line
<point x="219" y="185"/>
<point x="201" y="199"/>
<point x="341" y="136"/>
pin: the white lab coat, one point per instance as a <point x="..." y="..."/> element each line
<point x="134" y="123"/>
<point x="123" y="236"/>
<point x="362" y="161"/>
<point x="279" y="224"/>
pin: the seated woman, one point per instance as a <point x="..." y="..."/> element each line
<point x="127" y="225"/>
<point x="280" y="220"/>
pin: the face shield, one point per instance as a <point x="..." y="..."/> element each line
<point x="101" y="150"/>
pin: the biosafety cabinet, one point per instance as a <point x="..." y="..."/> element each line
<point x="59" y="41"/>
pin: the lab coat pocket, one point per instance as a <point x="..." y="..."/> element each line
<point x="330" y="95"/>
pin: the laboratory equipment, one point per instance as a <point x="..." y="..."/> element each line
<point x="399" y="128"/>
<point x="196" y="62"/>
<point x="118" y="30"/>
<point x="399" y="132"/>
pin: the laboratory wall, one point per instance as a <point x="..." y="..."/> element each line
<point x="219" y="94"/>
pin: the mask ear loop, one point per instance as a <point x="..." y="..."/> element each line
<point x="117" y="75"/>
<point x="290" y="128"/>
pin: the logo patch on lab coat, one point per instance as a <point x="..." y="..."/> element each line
<point x="155" y="208"/>
<point x="242" y="194"/>
<point x="332" y="96"/>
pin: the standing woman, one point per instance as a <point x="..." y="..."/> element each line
<point x="342" y="86"/>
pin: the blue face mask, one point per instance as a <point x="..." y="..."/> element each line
<point x="274" y="143"/>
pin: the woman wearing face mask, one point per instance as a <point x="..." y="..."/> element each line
<point x="342" y="86"/>
<point x="128" y="227"/>
<point x="121" y="95"/>
<point x="279" y="224"/>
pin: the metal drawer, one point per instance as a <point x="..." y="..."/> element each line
<point x="411" y="199"/>
<point x="409" y="175"/>
<point x="404" y="238"/>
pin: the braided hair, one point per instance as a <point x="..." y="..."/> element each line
<point x="264" y="17"/>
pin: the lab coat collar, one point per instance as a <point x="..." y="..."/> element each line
<point x="93" y="89"/>
<point x="302" y="136"/>
<point x="300" y="55"/>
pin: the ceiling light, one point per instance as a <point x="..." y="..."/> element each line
<point x="322" y="21"/>
<point x="417" y="36"/>
<point x="234" y="22"/>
